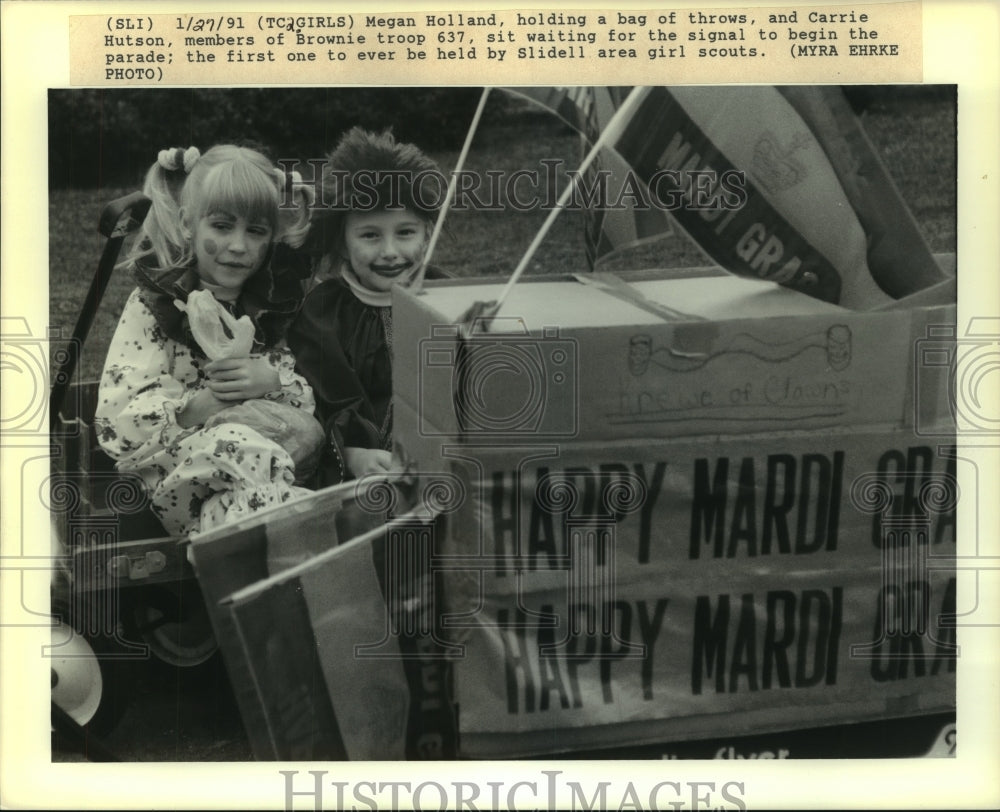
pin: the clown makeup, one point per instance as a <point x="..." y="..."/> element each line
<point x="384" y="247"/>
<point x="229" y="250"/>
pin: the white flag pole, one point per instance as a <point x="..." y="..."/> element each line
<point x="616" y="124"/>
<point x="418" y="282"/>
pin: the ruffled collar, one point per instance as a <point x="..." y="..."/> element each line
<point x="271" y="297"/>
<point x="374" y="298"/>
<point x="220" y="293"/>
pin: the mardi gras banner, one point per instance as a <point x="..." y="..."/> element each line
<point x="670" y="591"/>
<point x="616" y="216"/>
<point x="777" y="183"/>
<point x="898" y="253"/>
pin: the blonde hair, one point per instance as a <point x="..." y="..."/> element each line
<point x="237" y="180"/>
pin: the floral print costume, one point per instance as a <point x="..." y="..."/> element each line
<point x="197" y="477"/>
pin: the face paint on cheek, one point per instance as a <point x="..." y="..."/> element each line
<point x="210" y="247"/>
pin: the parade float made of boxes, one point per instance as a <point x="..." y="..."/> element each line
<point x="638" y="510"/>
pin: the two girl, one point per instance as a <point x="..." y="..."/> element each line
<point x="166" y="410"/>
<point x="182" y="419"/>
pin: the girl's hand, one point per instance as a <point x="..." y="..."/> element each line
<point x="363" y="461"/>
<point x="242" y="378"/>
<point x="202" y="405"/>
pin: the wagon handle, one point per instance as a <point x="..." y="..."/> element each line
<point x="112" y="226"/>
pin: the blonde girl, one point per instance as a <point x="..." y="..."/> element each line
<point x="211" y="438"/>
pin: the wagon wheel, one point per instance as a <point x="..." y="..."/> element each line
<point x="93" y="676"/>
<point x="173" y="621"/>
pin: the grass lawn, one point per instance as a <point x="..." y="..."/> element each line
<point x="913" y="130"/>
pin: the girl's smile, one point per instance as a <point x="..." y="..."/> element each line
<point x="384" y="247"/>
<point x="391" y="271"/>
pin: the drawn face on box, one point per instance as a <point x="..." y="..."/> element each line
<point x="640" y="350"/>
<point x="838" y="347"/>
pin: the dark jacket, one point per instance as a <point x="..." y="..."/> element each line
<point x="340" y="348"/>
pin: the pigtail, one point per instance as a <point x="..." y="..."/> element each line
<point x="297" y="199"/>
<point x="162" y="239"/>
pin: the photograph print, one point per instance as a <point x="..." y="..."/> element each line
<point x="441" y="423"/>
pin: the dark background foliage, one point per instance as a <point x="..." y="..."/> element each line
<point x="102" y="142"/>
<point x="101" y="138"/>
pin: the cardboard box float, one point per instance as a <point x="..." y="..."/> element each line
<point x="653" y="459"/>
<point x="619" y="545"/>
<point x="600" y="358"/>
